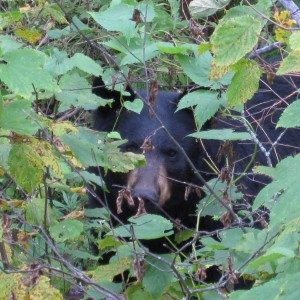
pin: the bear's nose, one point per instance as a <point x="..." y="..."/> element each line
<point x="146" y="195"/>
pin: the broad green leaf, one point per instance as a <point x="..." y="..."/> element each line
<point x="139" y="53"/>
<point x="290" y="116"/>
<point x="285" y="287"/>
<point x="59" y="62"/>
<point x="295" y="40"/>
<point x="170" y="48"/>
<point x="282" y="190"/>
<point x="158" y="276"/>
<point x="86" y="64"/>
<point x="106" y="155"/>
<point x="112" y="20"/>
<point x="106" y="273"/>
<point x="197" y="68"/>
<point x="17" y="116"/>
<point x="222" y="134"/>
<point x="136" y="105"/>
<point x="234" y="38"/>
<point x="25" y="166"/>
<point x="290" y="64"/>
<point x="211" y="206"/>
<point x="23" y="70"/>
<point x="206" y="103"/>
<point x="66" y="230"/>
<point x="77" y="92"/>
<point x="206" y="8"/>
<point x="136" y="291"/>
<point x="263" y="260"/>
<point x="146" y="227"/>
<point x="245" y="82"/>
<point x="35" y="212"/>
<point x="8" y="44"/>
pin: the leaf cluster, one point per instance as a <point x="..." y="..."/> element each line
<point x="49" y="53"/>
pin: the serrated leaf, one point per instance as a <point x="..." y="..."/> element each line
<point x="112" y="20"/>
<point x="66" y="230"/>
<point x="290" y="64"/>
<point x="77" y="92"/>
<point x="282" y="190"/>
<point x="295" y="41"/>
<point x="30" y="62"/>
<point x="17" y="116"/>
<point x="206" y="104"/>
<point x="285" y="287"/>
<point x="197" y="68"/>
<point x="170" y="48"/>
<point x="136" y="105"/>
<point x="222" y="135"/>
<point x="245" y="82"/>
<point x="234" y="38"/>
<point x="206" y="8"/>
<point x="158" y="276"/>
<point x="25" y="166"/>
<point x="86" y="64"/>
<point x="59" y="62"/>
<point x="290" y="116"/>
<point x="146" y="227"/>
<point x="106" y="273"/>
<point x="35" y="212"/>
<point x="106" y="155"/>
<point x="8" y="44"/>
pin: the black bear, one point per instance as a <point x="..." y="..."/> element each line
<point x="164" y="183"/>
<point x="161" y="183"/>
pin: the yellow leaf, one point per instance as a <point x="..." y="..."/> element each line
<point x="77" y="214"/>
<point x="30" y="35"/>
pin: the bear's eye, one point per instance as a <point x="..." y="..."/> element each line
<point x="132" y="147"/>
<point x="171" y="152"/>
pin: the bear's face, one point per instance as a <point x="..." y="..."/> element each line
<point x="161" y="183"/>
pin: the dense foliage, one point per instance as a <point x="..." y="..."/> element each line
<point x="49" y="53"/>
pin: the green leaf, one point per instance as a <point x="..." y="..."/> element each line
<point x="77" y="92"/>
<point x="207" y="104"/>
<point x="86" y="64"/>
<point x="17" y="116"/>
<point x="282" y="190"/>
<point x="290" y="116"/>
<point x="285" y="287"/>
<point x="92" y="151"/>
<point x="158" y="276"/>
<point x="234" y="38"/>
<point x="112" y="20"/>
<point x="136" y="105"/>
<point x="206" y="8"/>
<point x="295" y="40"/>
<point x="23" y="70"/>
<point x="290" y="64"/>
<point x="106" y="273"/>
<point x="8" y="44"/>
<point x="146" y="227"/>
<point x="136" y="291"/>
<point x="197" y="68"/>
<point x="66" y="230"/>
<point x="35" y="212"/>
<point x="25" y="166"/>
<point x="222" y="135"/>
<point x="170" y="48"/>
<point x="59" y="62"/>
<point x="245" y="82"/>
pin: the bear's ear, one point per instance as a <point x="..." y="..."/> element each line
<point x="100" y="89"/>
<point x="104" y="117"/>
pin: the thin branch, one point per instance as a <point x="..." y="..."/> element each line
<point x="293" y="9"/>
